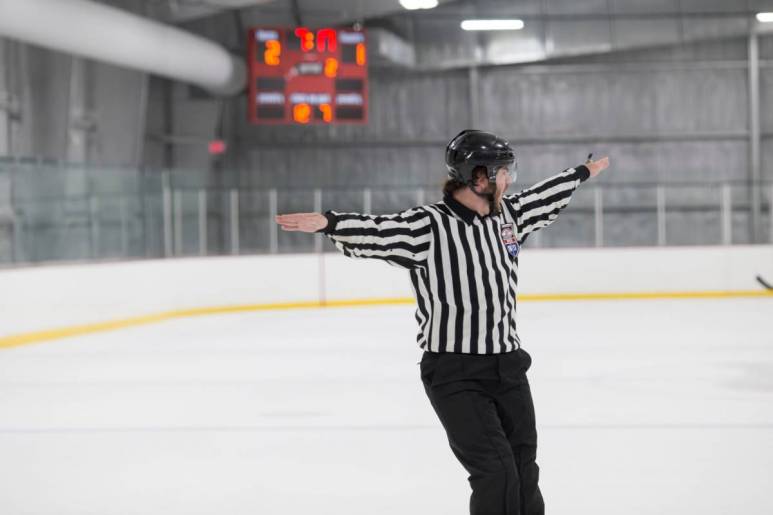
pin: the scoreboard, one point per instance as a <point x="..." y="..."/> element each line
<point x="300" y="76"/>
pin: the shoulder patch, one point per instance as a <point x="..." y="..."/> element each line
<point x="509" y="240"/>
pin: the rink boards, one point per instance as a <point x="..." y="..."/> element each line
<point x="44" y="303"/>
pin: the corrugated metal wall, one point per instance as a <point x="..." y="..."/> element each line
<point x="676" y="115"/>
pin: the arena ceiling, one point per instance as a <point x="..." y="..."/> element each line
<point x="552" y="28"/>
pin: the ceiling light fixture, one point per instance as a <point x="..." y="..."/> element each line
<point x="492" y="24"/>
<point x="765" y="17"/>
<point x="418" y="4"/>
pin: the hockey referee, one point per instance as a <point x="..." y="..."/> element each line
<point x="462" y="254"/>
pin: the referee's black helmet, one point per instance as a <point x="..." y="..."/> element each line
<point x="473" y="148"/>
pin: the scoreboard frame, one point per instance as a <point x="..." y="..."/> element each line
<point x="300" y="76"/>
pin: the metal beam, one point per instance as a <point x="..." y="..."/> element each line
<point x="449" y="15"/>
<point x="472" y="96"/>
<point x="296" y="9"/>
<point x="168" y="122"/>
<point x="547" y="139"/>
<point x="534" y="68"/>
<point x="139" y="154"/>
<point x="80" y="123"/>
<point x="5" y="100"/>
<point x="754" y="137"/>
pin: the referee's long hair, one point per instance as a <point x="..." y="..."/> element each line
<point x="451" y="185"/>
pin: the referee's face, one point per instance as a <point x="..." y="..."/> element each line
<point x="503" y="182"/>
<point x="503" y="178"/>
<point x="498" y="190"/>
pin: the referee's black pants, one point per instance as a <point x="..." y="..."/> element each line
<point x="485" y="405"/>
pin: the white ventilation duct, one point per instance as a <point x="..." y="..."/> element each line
<point x="104" y="33"/>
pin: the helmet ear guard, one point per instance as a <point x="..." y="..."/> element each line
<point x="493" y="169"/>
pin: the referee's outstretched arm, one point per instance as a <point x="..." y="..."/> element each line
<point x="401" y="239"/>
<point x="538" y="206"/>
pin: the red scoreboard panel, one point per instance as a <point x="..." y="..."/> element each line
<point x="303" y="76"/>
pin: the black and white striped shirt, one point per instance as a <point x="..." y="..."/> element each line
<point x="463" y="266"/>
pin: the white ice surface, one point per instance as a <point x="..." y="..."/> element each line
<point x="643" y="407"/>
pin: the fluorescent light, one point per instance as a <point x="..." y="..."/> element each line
<point x="765" y="17"/>
<point x="418" y="4"/>
<point x="492" y="24"/>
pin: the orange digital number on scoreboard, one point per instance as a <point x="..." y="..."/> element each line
<point x="302" y="113"/>
<point x="272" y="53"/>
<point x="327" y="112"/>
<point x="331" y="67"/>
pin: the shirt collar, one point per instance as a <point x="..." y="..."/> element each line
<point x="465" y="213"/>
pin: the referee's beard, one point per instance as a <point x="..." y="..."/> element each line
<point x="494" y="193"/>
<point x="491" y="191"/>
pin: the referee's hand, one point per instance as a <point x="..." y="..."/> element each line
<point x="596" y="167"/>
<point x="304" y="222"/>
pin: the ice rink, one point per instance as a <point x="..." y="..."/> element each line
<point x="643" y="406"/>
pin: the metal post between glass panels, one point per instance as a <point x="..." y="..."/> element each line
<point x="727" y="215"/>
<point x="234" y="219"/>
<point x="420" y="197"/>
<point x="272" y="226"/>
<point x="125" y="226"/>
<point x="166" y="199"/>
<point x="317" y="209"/>
<point x="598" y="211"/>
<point x="536" y="239"/>
<point x="770" y="213"/>
<point x="94" y="226"/>
<point x="178" y="222"/>
<point x="202" y="222"/>
<point x="661" y="207"/>
<point x="366" y="201"/>
<point x="15" y="223"/>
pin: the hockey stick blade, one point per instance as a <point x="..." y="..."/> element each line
<point x="764" y="283"/>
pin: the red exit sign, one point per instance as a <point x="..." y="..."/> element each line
<point x="300" y="76"/>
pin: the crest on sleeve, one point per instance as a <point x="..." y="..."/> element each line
<point x="509" y="240"/>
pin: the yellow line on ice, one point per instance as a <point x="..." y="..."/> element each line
<point x="16" y="340"/>
<point x="647" y="295"/>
